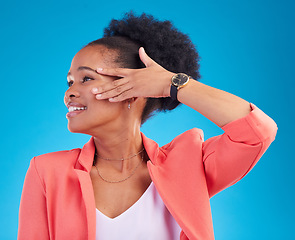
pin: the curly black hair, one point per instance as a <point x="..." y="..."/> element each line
<point x="166" y="45"/>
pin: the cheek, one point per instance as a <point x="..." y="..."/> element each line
<point x="104" y="109"/>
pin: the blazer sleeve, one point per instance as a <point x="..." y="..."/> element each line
<point x="32" y="213"/>
<point x="230" y="156"/>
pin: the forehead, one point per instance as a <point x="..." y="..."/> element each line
<point x="94" y="57"/>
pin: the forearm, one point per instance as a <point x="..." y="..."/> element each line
<point x="218" y="106"/>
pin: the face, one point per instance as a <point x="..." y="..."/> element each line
<point x="87" y="114"/>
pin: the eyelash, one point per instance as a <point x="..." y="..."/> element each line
<point x="70" y="83"/>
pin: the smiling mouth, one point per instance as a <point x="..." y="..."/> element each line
<point x="72" y="109"/>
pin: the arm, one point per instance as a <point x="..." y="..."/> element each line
<point x="32" y="213"/>
<point x="229" y="157"/>
<point x="217" y="105"/>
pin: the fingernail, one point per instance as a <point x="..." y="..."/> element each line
<point x="94" y="90"/>
<point x="99" y="69"/>
<point x="98" y="96"/>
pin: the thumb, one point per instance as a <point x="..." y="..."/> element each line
<point x="145" y="58"/>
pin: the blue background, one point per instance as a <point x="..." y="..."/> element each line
<point x="247" y="48"/>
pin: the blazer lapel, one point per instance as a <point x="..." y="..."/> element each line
<point x="82" y="169"/>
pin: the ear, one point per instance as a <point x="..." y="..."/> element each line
<point x="131" y="100"/>
<point x="145" y="58"/>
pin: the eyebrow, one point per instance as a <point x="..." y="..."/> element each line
<point x="84" y="68"/>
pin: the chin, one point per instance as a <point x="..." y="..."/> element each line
<point x="76" y="128"/>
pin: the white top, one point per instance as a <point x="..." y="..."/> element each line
<point x="146" y="219"/>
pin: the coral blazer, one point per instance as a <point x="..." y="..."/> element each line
<point x="58" y="201"/>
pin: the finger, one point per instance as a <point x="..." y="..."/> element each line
<point x="109" y="86"/>
<point x="145" y="58"/>
<point x="119" y="72"/>
<point x="123" y="96"/>
<point x="113" y="92"/>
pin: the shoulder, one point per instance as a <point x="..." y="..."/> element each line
<point x="61" y="157"/>
<point x="55" y="161"/>
<point x="192" y="137"/>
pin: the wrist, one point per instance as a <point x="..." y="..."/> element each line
<point x="166" y="92"/>
<point x="178" y="81"/>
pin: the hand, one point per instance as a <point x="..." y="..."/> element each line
<point x="152" y="81"/>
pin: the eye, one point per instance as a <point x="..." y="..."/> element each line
<point x="70" y="83"/>
<point x="86" y="78"/>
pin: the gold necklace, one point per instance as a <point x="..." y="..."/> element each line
<point x="120" y="159"/>
<point x="122" y="180"/>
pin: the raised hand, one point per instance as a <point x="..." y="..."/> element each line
<point x="152" y="81"/>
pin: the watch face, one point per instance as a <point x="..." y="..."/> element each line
<point x="180" y="79"/>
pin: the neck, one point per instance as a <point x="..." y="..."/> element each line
<point x="119" y="144"/>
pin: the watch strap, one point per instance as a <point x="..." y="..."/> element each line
<point x="173" y="92"/>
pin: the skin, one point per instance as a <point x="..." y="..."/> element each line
<point x="218" y="106"/>
<point x="116" y="132"/>
<point x="116" y="129"/>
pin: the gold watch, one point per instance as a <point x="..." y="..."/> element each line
<point x="178" y="81"/>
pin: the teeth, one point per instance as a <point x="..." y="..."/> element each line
<point x="71" y="108"/>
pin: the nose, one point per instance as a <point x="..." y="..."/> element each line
<point x="72" y="92"/>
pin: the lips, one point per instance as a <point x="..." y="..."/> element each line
<point x="75" y="109"/>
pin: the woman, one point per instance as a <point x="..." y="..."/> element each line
<point x="121" y="185"/>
